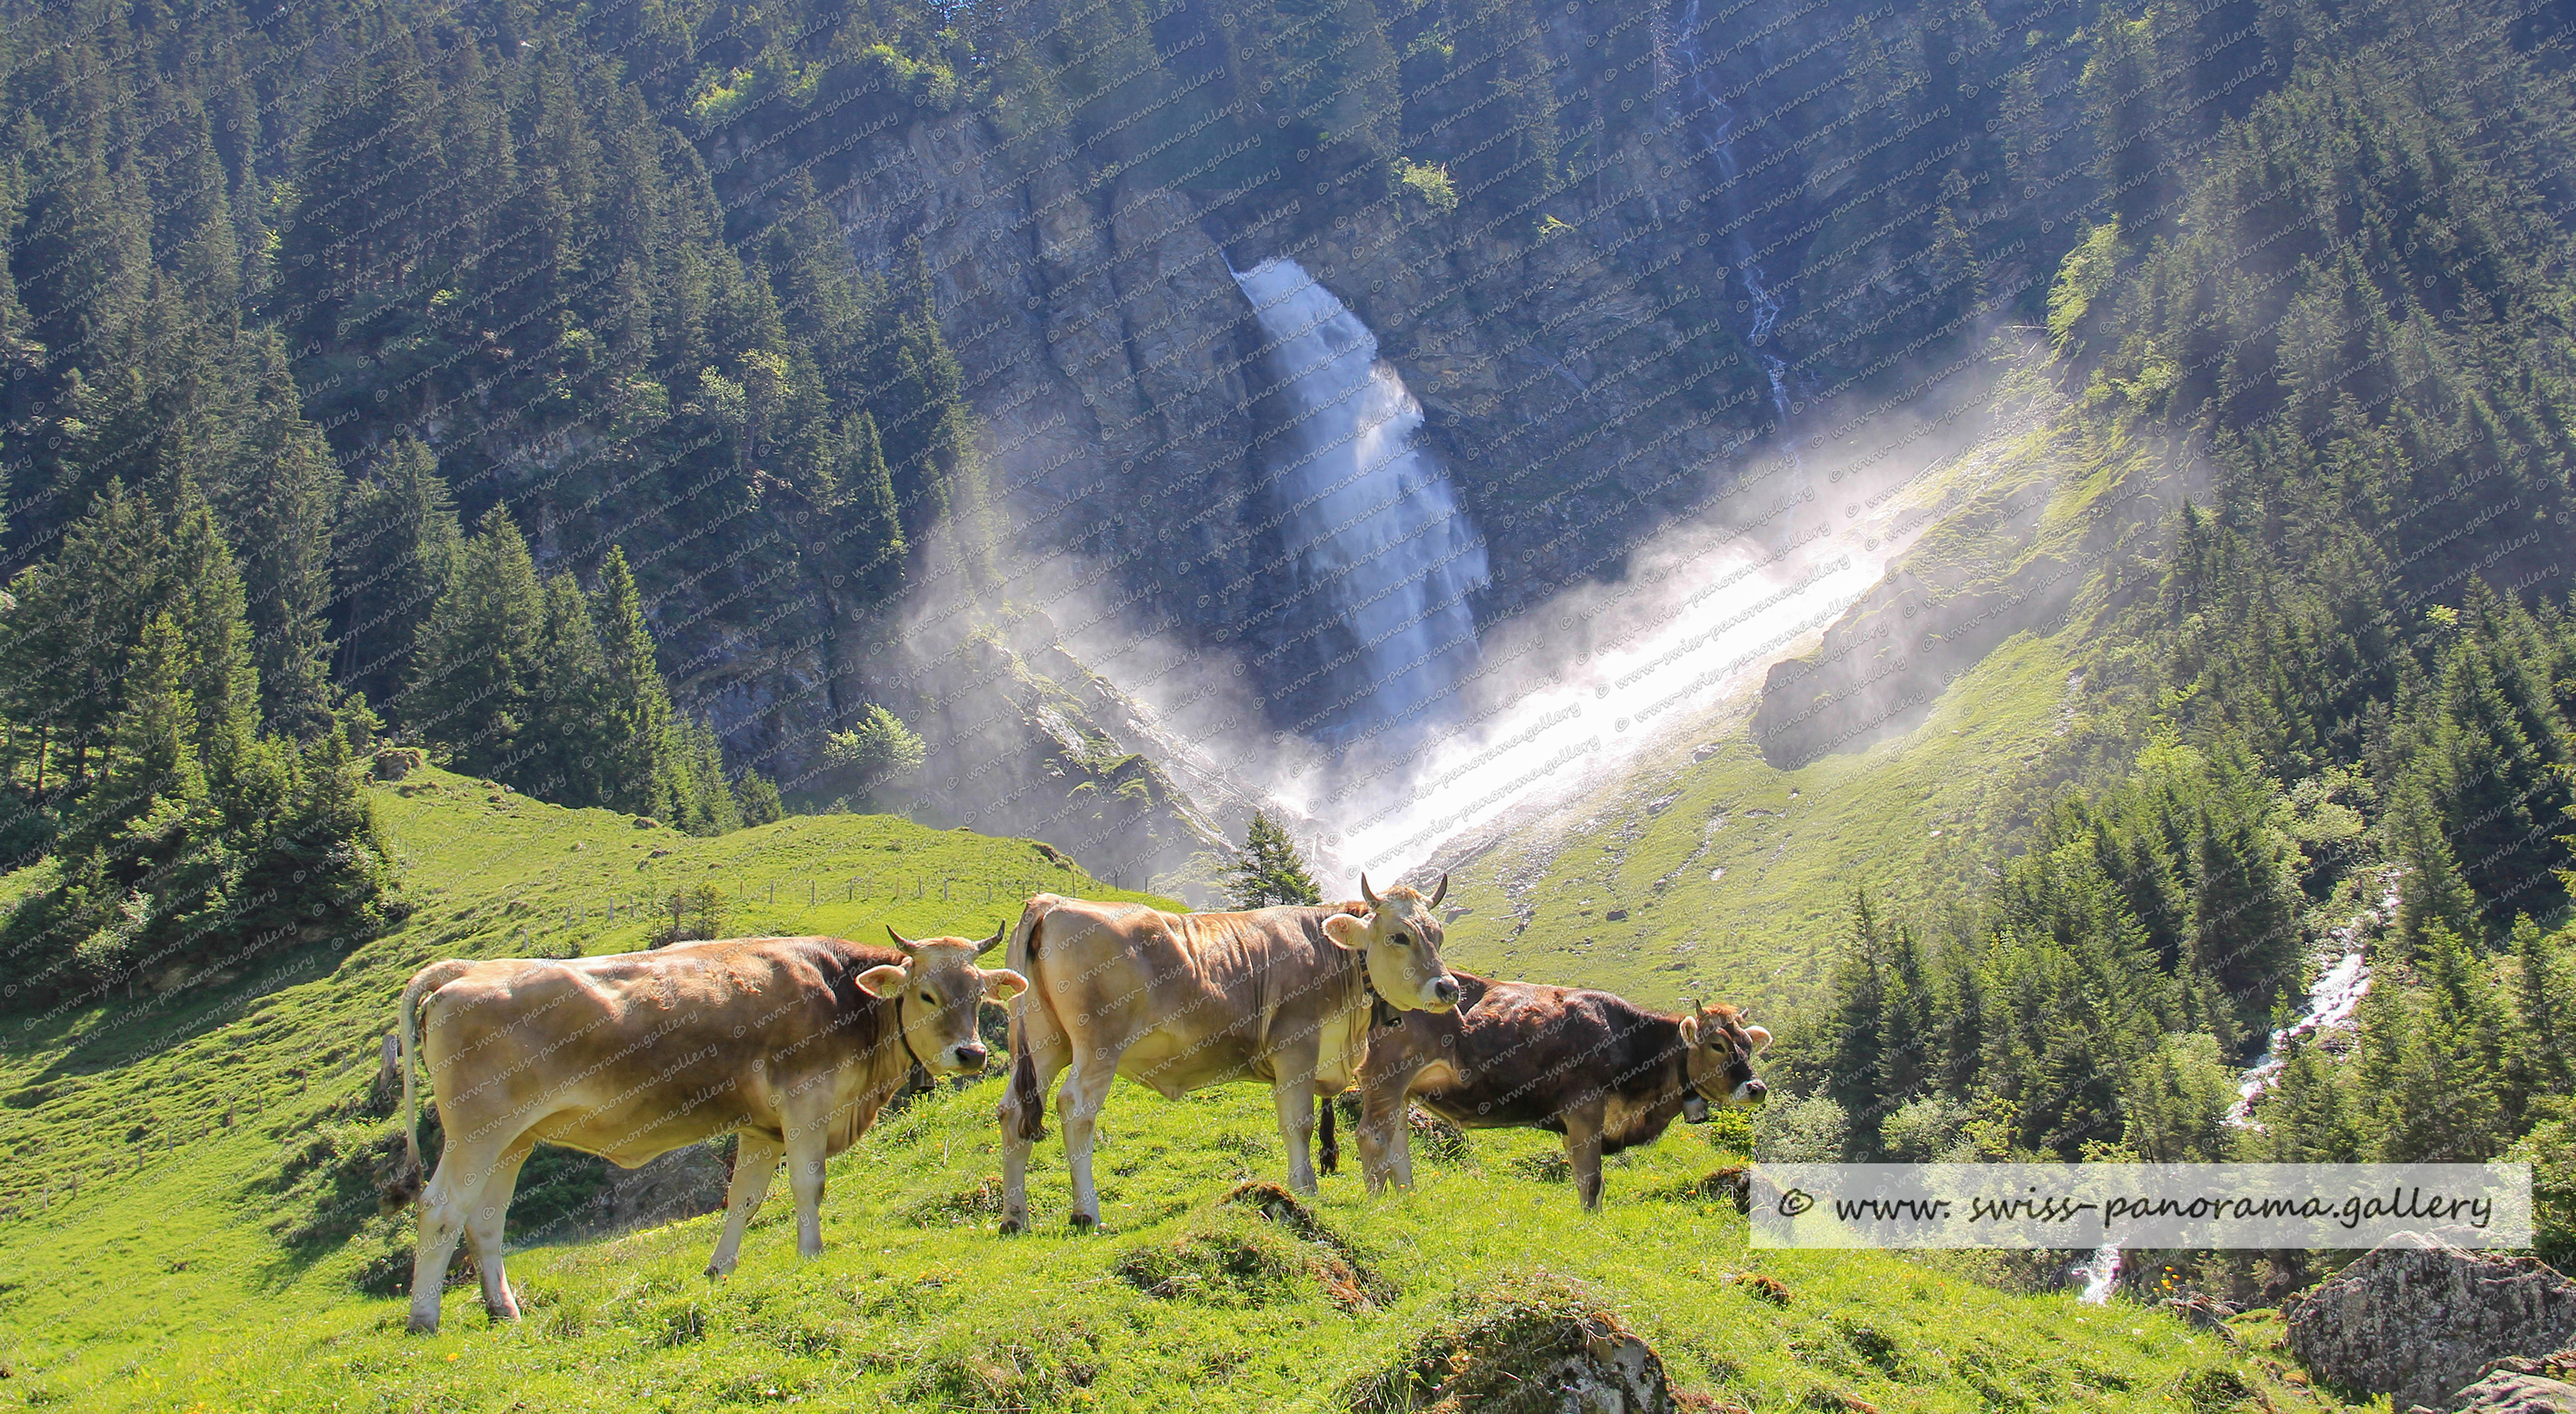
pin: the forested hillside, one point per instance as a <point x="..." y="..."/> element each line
<point x="677" y="415"/>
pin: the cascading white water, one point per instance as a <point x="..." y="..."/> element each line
<point x="2101" y="1275"/>
<point x="1368" y="513"/>
<point x="2333" y="1000"/>
<point x="1721" y="149"/>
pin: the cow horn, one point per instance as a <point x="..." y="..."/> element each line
<point x="994" y="941"/>
<point x="1442" y="891"/>
<point x="1367" y="893"/>
<point x="907" y="944"/>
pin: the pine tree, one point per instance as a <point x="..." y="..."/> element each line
<point x="871" y="518"/>
<point x="2543" y="1053"/>
<point x="206" y="602"/>
<point x="571" y="717"/>
<point x="475" y="669"/>
<point x="1269" y="870"/>
<point x="150" y="779"/>
<point x="396" y="549"/>
<point x="638" y="720"/>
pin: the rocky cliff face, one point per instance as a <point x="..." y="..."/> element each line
<point x="1736" y="219"/>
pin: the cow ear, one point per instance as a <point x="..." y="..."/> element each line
<point x="1346" y="932"/>
<point x="1001" y="984"/>
<point x="883" y="980"/>
<point x="1690" y="1030"/>
<point x="1761" y="1037"/>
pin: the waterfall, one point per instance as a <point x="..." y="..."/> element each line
<point x="2333" y="1000"/>
<point x="1721" y="147"/>
<point x="1369" y="516"/>
<point x="2102" y="1274"/>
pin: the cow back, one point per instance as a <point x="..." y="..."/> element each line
<point x="633" y="1054"/>
<point x="1523" y="1054"/>
<point x="1192" y="999"/>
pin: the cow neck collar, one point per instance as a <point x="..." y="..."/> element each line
<point x="1381" y="1013"/>
<point x="905" y="1032"/>
<point x="1681" y="1064"/>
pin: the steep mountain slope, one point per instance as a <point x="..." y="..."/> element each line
<point x="1708" y="864"/>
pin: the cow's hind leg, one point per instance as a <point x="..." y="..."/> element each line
<point x="805" y="1158"/>
<point x="1045" y="1063"/>
<point x="755" y="1163"/>
<point x="1086" y="1092"/>
<point x="446" y="1208"/>
<point x="484" y="1229"/>
<point x="1328" y="1148"/>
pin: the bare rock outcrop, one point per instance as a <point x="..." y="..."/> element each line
<point x="2417" y="1318"/>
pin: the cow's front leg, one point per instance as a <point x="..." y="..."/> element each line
<point x="1583" y="1155"/>
<point x="1295" y="1095"/>
<point x="755" y="1163"/>
<point x="1085" y="1094"/>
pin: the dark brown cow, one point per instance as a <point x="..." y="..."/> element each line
<point x="1177" y="1001"/>
<point x="790" y="1044"/>
<point x="1603" y="1072"/>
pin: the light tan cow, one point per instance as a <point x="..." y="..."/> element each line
<point x="790" y="1044"/>
<point x="1179" y="1001"/>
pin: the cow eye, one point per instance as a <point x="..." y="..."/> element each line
<point x="929" y="998"/>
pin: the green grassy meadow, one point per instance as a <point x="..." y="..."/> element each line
<point x="170" y="1162"/>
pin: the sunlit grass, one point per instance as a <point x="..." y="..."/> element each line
<point x="163" y="1283"/>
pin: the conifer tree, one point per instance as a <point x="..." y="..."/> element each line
<point x="205" y="601"/>
<point x="637" y="720"/>
<point x="474" y="674"/>
<point x="396" y="548"/>
<point x="1269" y="870"/>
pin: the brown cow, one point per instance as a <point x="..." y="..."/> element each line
<point x="1178" y="1001"/>
<point x="1603" y="1072"/>
<point x="790" y="1044"/>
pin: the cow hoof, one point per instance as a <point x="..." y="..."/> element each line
<point x="1013" y="1227"/>
<point x="417" y="1326"/>
<point x="1084" y="1222"/>
<point x="714" y="1272"/>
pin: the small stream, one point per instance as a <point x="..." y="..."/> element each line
<point x="2333" y="1000"/>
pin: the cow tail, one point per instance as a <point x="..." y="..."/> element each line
<point x="1023" y="956"/>
<point x="406" y="1184"/>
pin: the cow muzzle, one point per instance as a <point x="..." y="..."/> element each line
<point x="1749" y="1095"/>
<point x="1445" y="993"/>
<point x="968" y="1057"/>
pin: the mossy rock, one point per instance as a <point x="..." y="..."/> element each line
<point x="1530" y="1344"/>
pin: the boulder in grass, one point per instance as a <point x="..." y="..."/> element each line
<point x="2417" y="1318"/>
<point x="2507" y="1393"/>
<point x="2519" y="1384"/>
<point x="1534" y="1345"/>
<point x="395" y="762"/>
